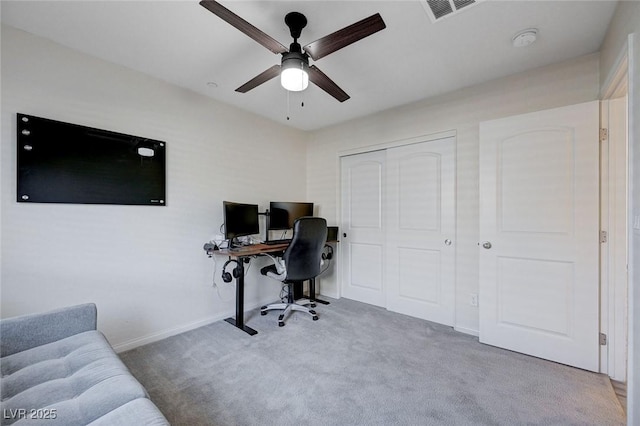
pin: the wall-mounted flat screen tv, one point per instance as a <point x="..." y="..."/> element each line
<point x="68" y="163"/>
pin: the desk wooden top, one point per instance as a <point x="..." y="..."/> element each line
<point x="252" y="250"/>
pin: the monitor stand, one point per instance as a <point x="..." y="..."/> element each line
<point x="234" y="244"/>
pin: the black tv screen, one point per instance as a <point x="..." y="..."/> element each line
<point x="68" y="163"/>
<point x="282" y="214"/>
<point x="240" y="219"/>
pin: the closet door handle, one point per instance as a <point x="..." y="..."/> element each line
<point x="487" y="245"/>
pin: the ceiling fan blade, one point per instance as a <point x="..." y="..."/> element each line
<point x="242" y="25"/>
<point x="344" y="37"/>
<point x="263" y="77"/>
<point x="320" y="79"/>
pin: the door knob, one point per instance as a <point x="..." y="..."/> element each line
<point x="344" y="235"/>
<point x="486" y="245"/>
<point x="447" y="242"/>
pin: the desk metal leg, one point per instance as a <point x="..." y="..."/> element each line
<point x="312" y="293"/>
<point x="238" y="321"/>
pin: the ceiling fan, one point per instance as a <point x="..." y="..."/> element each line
<point x="294" y="69"/>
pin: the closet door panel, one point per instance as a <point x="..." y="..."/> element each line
<point x="420" y="230"/>
<point x="362" y="220"/>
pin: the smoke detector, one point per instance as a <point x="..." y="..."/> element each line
<point x="525" y="37"/>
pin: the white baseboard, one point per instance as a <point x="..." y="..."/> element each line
<point x="331" y="294"/>
<point x="155" y="337"/>
<point x="151" y="338"/>
<point x="467" y="331"/>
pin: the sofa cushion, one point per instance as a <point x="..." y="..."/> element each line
<point x="77" y="379"/>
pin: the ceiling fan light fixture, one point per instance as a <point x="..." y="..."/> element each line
<point x="294" y="75"/>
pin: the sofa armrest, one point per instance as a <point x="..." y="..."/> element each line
<point x="28" y="331"/>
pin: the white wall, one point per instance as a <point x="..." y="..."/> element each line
<point x="562" y="84"/>
<point x="143" y="266"/>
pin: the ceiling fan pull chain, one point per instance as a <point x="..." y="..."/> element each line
<point x="288" y="109"/>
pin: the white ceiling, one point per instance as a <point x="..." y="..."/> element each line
<point x="413" y="58"/>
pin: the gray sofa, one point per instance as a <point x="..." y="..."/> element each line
<point x="57" y="368"/>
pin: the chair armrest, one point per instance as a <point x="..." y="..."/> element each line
<point x="28" y="331"/>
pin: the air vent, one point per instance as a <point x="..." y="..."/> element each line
<point x="439" y="9"/>
<point x="462" y="3"/>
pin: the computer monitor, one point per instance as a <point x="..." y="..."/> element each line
<point x="240" y="219"/>
<point x="282" y="214"/>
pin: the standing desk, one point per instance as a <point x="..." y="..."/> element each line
<point x="240" y="254"/>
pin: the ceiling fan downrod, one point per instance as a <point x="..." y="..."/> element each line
<point x="296" y="21"/>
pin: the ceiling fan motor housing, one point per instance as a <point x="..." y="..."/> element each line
<point x="295" y="59"/>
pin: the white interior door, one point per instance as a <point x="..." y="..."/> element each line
<point x="539" y="234"/>
<point x="362" y="240"/>
<point x="420" y="229"/>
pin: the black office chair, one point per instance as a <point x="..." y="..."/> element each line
<point x="302" y="260"/>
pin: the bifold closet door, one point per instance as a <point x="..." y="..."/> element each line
<point x="420" y="230"/>
<point x="362" y="227"/>
<point x="539" y="239"/>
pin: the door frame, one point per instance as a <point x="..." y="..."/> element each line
<point x="613" y="295"/>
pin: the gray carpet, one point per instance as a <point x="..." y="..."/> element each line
<point x="361" y="365"/>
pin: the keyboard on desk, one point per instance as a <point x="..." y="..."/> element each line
<point x="274" y="242"/>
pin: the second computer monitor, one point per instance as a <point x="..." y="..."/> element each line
<point x="282" y="214"/>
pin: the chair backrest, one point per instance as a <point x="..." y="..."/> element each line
<point x="303" y="255"/>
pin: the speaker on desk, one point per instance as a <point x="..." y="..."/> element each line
<point x="332" y="234"/>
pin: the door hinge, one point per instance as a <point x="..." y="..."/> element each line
<point x="603" y="339"/>
<point x="604" y="135"/>
<point x="603" y="236"/>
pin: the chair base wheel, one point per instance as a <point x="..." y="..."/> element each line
<point x="288" y="308"/>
